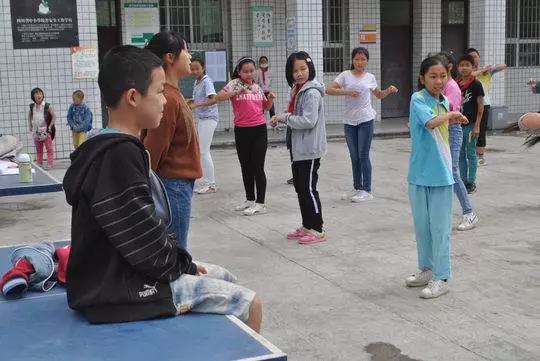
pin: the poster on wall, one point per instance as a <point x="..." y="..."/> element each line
<point x="84" y="61"/>
<point x="263" y="32"/>
<point x="292" y="39"/>
<point x="368" y="34"/>
<point x="38" y="24"/>
<point x="142" y="21"/>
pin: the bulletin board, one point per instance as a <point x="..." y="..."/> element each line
<point x="216" y="68"/>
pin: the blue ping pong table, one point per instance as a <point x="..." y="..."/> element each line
<point x="40" y="326"/>
<point x="43" y="182"/>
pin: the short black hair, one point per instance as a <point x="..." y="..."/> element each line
<point x="299" y="55"/>
<point x="356" y="51"/>
<point x="466" y="57"/>
<point x="241" y="62"/>
<point x="125" y="67"/>
<point x="472" y="50"/>
<point x="263" y="57"/>
<point x="34" y="91"/>
<point x="200" y="61"/>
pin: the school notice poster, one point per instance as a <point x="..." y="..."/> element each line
<point x="38" y="24"/>
<point x="142" y="21"/>
<point x="263" y="32"/>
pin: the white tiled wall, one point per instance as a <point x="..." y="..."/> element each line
<point x="49" y="69"/>
<point x="487" y="35"/>
<point x="426" y="32"/>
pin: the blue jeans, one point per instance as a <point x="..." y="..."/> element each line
<point x="180" y="192"/>
<point x="432" y="214"/>
<point x="456" y="140"/>
<point x="468" y="162"/>
<point x="358" y="139"/>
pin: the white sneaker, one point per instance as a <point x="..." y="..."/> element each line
<point x="206" y="189"/>
<point x="362" y="196"/>
<point x="419" y="279"/>
<point x="481" y="161"/>
<point x="434" y="289"/>
<point x="257" y="208"/>
<point x="350" y="194"/>
<point x="244" y="206"/>
<point x="468" y="222"/>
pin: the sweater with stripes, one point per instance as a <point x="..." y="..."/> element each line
<point x="121" y="259"/>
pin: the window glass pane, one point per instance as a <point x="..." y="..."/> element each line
<point x="529" y="54"/>
<point x="529" y="19"/>
<point x="207" y="21"/>
<point x="453" y="12"/>
<point x="511" y="18"/>
<point x="510" y="54"/>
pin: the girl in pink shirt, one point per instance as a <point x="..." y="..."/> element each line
<point x="250" y="133"/>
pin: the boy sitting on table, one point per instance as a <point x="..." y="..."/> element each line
<point x="123" y="265"/>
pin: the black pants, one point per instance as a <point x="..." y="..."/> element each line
<point x="483" y="127"/>
<point x="251" y="144"/>
<point x="305" y="179"/>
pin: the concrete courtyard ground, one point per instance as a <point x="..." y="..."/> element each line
<point x="344" y="299"/>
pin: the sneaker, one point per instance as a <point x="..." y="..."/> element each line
<point x="419" y="279"/>
<point x="468" y="222"/>
<point x="244" y="206"/>
<point x="290" y="181"/>
<point x="297" y="233"/>
<point x="481" y="161"/>
<point x="434" y="289"/>
<point x="471" y="188"/>
<point x="206" y="189"/>
<point x="312" y="237"/>
<point x="362" y="196"/>
<point x="349" y="195"/>
<point x="256" y="208"/>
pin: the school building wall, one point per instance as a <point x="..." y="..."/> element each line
<point x="50" y="69"/>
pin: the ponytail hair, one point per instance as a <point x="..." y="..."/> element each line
<point x="166" y="42"/>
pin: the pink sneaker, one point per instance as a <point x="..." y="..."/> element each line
<point x="313" y="237"/>
<point x="297" y="234"/>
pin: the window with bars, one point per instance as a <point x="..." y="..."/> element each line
<point x="522" y="33"/>
<point x="200" y="21"/>
<point x="335" y="34"/>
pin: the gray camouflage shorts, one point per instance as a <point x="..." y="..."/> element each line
<point x="214" y="292"/>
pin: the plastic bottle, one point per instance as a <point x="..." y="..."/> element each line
<point x="25" y="168"/>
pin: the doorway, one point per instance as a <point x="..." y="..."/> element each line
<point x="109" y="35"/>
<point x="396" y="56"/>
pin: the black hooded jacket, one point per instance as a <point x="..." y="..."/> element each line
<point x="121" y="259"/>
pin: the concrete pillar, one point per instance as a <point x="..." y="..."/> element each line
<point x="361" y="16"/>
<point x="487" y="34"/>
<point x="308" y="16"/>
<point x="426" y="31"/>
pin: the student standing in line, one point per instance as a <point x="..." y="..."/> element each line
<point x="357" y="85"/>
<point x="206" y="114"/>
<point x="453" y="94"/>
<point x="473" y="108"/>
<point x="305" y="118"/>
<point x="430" y="178"/>
<point x="174" y="146"/>
<point x="250" y="132"/>
<point x="484" y="75"/>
